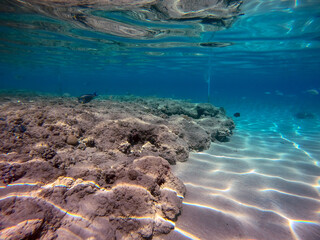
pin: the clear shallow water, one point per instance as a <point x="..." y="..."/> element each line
<point x="273" y="47"/>
<point x="263" y="184"/>
<point x="264" y="64"/>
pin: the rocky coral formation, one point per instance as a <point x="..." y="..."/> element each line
<point x="140" y="200"/>
<point x="99" y="170"/>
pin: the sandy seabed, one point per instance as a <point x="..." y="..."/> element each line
<point x="264" y="184"/>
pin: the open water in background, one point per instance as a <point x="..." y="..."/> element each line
<point x="273" y="48"/>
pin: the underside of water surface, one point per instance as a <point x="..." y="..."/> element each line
<point x="142" y="47"/>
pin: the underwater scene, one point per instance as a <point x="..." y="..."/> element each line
<point x="160" y="119"/>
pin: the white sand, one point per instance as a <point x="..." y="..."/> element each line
<point x="263" y="184"/>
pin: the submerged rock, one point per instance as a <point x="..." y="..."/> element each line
<point x="27" y="229"/>
<point x="72" y="140"/>
<point x="141" y="202"/>
<point x="117" y="183"/>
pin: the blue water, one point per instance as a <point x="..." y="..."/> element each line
<point x="263" y="184"/>
<point x="265" y="64"/>
<point x="273" y="47"/>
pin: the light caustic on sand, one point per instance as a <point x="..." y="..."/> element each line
<point x="264" y="184"/>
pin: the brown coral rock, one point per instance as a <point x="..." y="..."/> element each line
<point x="129" y="208"/>
<point x="72" y="140"/>
<point x="24" y="230"/>
<point x="117" y="182"/>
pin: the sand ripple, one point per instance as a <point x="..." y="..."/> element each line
<point x="264" y="184"/>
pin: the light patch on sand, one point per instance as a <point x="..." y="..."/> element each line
<point x="235" y="173"/>
<point x="293" y="222"/>
<point x="290" y="194"/>
<point x="186" y="234"/>
<point x="297" y="146"/>
<point x="233" y="214"/>
<point x="244" y="158"/>
<point x="208" y="188"/>
<point x="284" y="179"/>
<point x="266" y="174"/>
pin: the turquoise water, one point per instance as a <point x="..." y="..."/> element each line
<point x="263" y="184"/>
<point x="272" y="48"/>
<point x="263" y="61"/>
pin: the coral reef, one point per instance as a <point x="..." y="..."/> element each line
<point x="101" y="169"/>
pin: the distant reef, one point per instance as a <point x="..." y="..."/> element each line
<point x="99" y="170"/>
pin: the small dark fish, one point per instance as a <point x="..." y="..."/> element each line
<point x="86" y="98"/>
<point x="2" y="119"/>
<point x="236" y="114"/>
